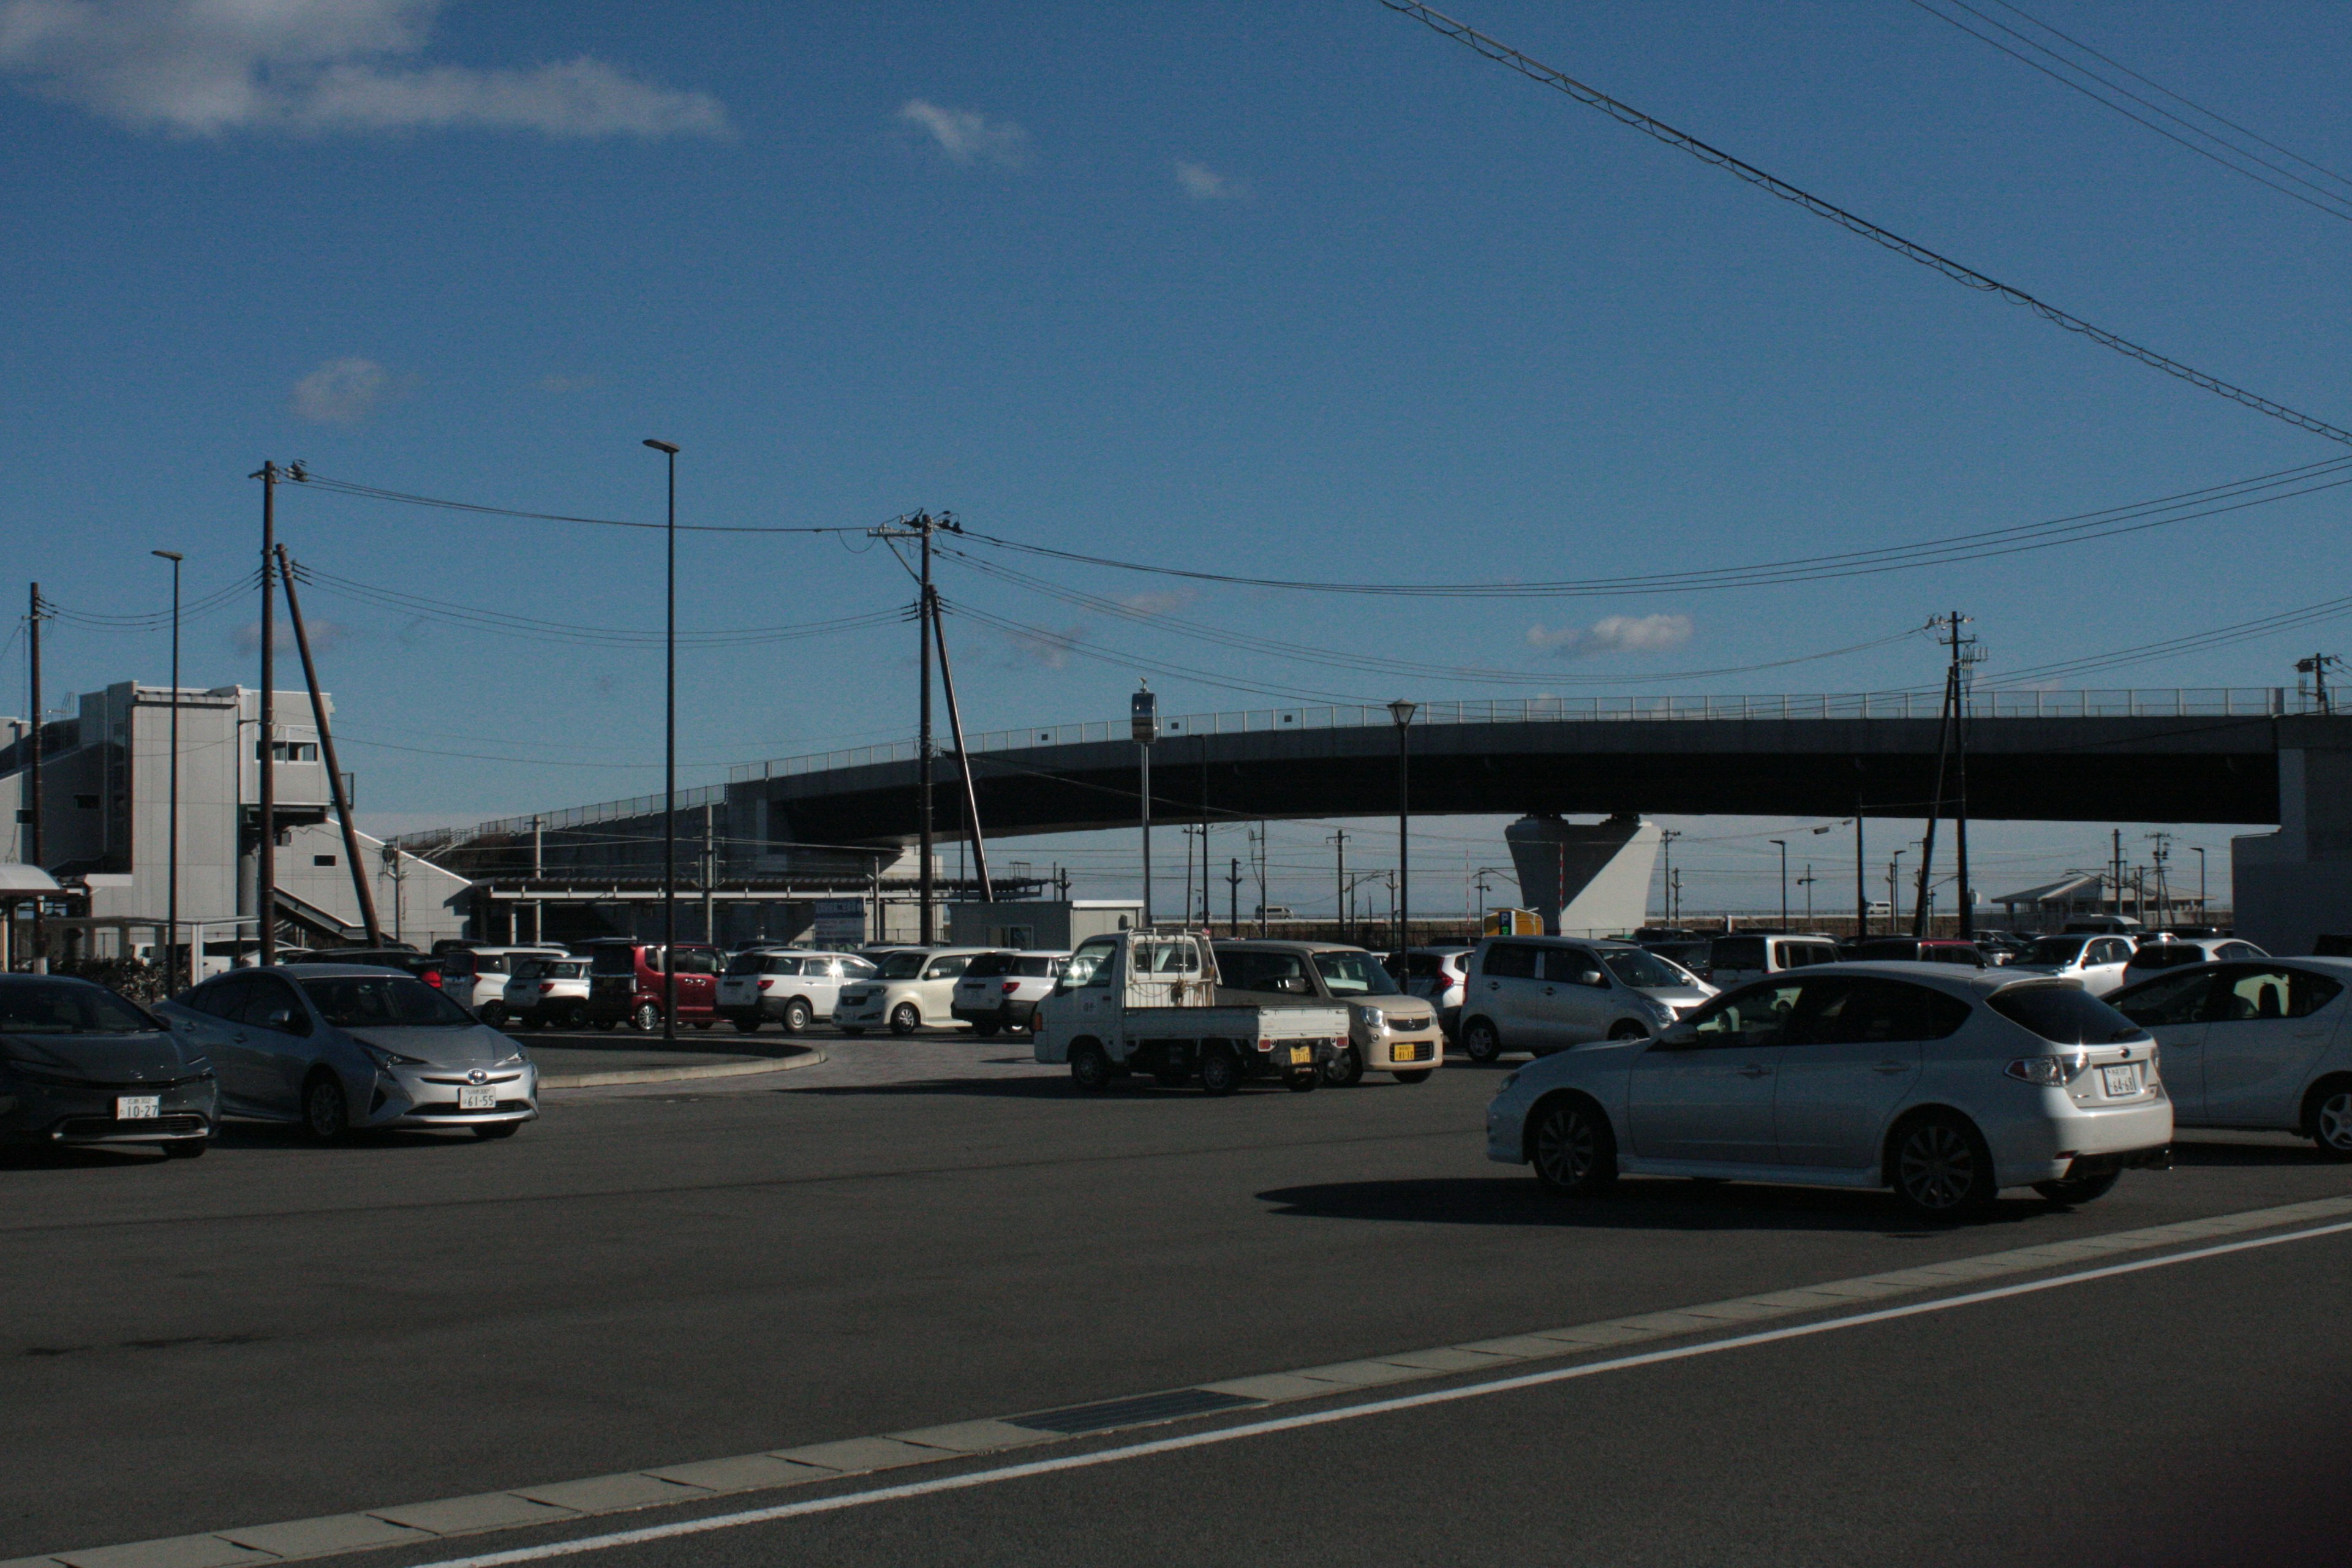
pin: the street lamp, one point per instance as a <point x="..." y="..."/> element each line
<point x="1782" y="845"/>
<point x="2202" y="918"/>
<point x="1893" y="869"/>
<point x="1143" y="724"/>
<point x="670" y="763"/>
<point x="172" y="833"/>
<point x="1402" y="711"/>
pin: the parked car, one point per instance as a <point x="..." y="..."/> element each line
<point x="625" y="983"/>
<point x="1436" y="976"/>
<point x="1696" y="954"/>
<point x="1737" y="959"/>
<point x="476" y="977"/>
<point x="544" y="994"/>
<point x="1001" y="991"/>
<point x="910" y="988"/>
<point x="1544" y="994"/>
<point x="2096" y="961"/>
<point x="1916" y="949"/>
<point x="342" y="1048"/>
<point x="1945" y="1083"/>
<point x="2262" y="1044"/>
<point x="796" y="988"/>
<point x="1388" y="1030"/>
<point x="2155" y="953"/>
<point x="424" y="966"/>
<point x="79" y="1064"/>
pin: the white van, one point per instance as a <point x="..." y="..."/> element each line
<point x="1737" y="959"/>
<point x="1543" y="993"/>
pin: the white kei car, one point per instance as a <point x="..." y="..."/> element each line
<point x="2259" y="1043"/>
<point x="1946" y="1084"/>
<point x="913" y="986"/>
<point x="2097" y="961"/>
<point x="546" y="993"/>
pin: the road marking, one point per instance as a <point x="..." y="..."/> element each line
<point x="1347" y="1412"/>
<point x="857" y="1455"/>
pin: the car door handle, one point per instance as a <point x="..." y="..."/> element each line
<point x="1890" y="1067"/>
<point x="1548" y="991"/>
<point x="238" y="1039"/>
<point x="1753" y="1070"/>
<point x="2311" y="1034"/>
<point x="1494" y="986"/>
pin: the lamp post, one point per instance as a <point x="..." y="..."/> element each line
<point x="2202" y="918"/>
<point x="172" y="833"/>
<point x="669" y="760"/>
<point x="1782" y="845"/>
<point x="1892" y="871"/>
<point x="1402" y="711"/>
<point x="1143" y="711"/>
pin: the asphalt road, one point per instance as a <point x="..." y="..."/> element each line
<point x="932" y="1231"/>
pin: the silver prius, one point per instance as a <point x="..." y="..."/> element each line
<point x="342" y="1048"/>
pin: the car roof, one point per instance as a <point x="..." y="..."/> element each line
<point x="1974" y="982"/>
<point x="1283" y="944"/>
<point x="322" y="971"/>
<point x="1565" y="940"/>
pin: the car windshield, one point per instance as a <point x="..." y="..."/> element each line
<point x="1353" y="974"/>
<point x="68" y="1007"/>
<point x="2064" y="1014"/>
<point x="902" y="966"/>
<point x="2167" y="955"/>
<point x="2055" y="950"/>
<point x="1633" y="967"/>
<point x="989" y="965"/>
<point x="358" y="1000"/>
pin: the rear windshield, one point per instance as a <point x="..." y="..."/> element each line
<point x="357" y="1001"/>
<point x="989" y="965"/>
<point x="1035" y="968"/>
<point x="2168" y="955"/>
<point x="2064" y="1015"/>
<point x="902" y="966"/>
<point x="746" y="962"/>
<point x="68" y="1007"/>
<point x="2054" y="949"/>
<point x="1353" y="974"/>
<point x="613" y="960"/>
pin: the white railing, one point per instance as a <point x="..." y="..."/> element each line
<point x="2159" y="703"/>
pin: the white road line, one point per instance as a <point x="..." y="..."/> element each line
<point x="1347" y="1412"/>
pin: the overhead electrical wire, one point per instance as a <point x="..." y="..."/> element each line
<point x="2171" y="648"/>
<point x="156" y="620"/>
<point x="1625" y="114"/>
<point x="377" y="492"/>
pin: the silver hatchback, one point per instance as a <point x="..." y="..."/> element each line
<point x="342" y="1048"/>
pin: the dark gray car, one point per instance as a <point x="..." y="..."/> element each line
<point x="80" y="1065"/>
<point x="340" y="1047"/>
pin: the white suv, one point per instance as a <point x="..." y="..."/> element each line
<point x="2098" y="963"/>
<point x="1000" y="990"/>
<point x="796" y="988"/>
<point x="1946" y="1084"/>
<point x="546" y="993"/>
<point x="476" y="977"/>
<point x="913" y="986"/>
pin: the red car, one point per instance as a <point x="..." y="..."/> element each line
<point x="625" y="983"/>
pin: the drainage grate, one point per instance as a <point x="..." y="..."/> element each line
<point x="1136" y="1412"/>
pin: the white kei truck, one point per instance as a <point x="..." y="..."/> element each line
<point x="1146" y="1001"/>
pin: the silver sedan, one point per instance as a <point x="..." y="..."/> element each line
<point x="342" y="1048"/>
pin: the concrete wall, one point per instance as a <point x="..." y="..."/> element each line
<point x="2290" y="886"/>
<point x="1585" y="878"/>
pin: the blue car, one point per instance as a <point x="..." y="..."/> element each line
<point x="79" y="1064"/>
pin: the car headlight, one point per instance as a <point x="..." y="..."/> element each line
<point x="2049" y="1072"/>
<point x="1508" y="1079"/>
<point x="514" y="1058"/>
<point x="1373" y="1018"/>
<point x="384" y="1058"/>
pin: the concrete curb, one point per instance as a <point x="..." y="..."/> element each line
<point x="809" y="1057"/>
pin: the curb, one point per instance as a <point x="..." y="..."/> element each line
<point x="809" y="1057"/>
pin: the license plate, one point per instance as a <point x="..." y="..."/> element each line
<point x="2121" y="1081"/>
<point x="138" y="1107"/>
<point x="1302" y="1056"/>
<point x="483" y="1099"/>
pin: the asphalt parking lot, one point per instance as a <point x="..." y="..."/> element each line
<point x="920" y="1233"/>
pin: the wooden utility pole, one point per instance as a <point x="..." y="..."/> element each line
<point x="963" y="757"/>
<point x="33" y="848"/>
<point x="264" y="880"/>
<point x="361" y="879"/>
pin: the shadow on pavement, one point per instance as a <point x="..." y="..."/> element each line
<point x="2249" y="1154"/>
<point x="1638" y="1204"/>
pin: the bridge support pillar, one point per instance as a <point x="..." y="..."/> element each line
<point x="2288" y="887"/>
<point x="1585" y="878"/>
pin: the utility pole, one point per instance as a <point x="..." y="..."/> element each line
<point x="1967" y="654"/>
<point x="1782" y="846"/>
<point x="1946" y="724"/>
<point x="1402" y="711"/>
<point x="2163" y="886"/>
<point x="1893" y="869"/>
<point x="710" y="874"/>
<point x="1261" y="862"/>
<point x="264" y="880"/>
<point x="172" y="833"/>
<point x="1678" y="895"/>
<point x="1233" y="897"/>
<point x="360" y="878"/>
<point x="1861" y="893"/>
<point x="538" y="874"/>
<point x="963" y="757"/>
<point x="669" y="758"/>
<point x="1667" y="836"/>
<point x="1339" y="840"/>
<point x="1143" y="725"/>
<point x="2119" y="870"/>
<point x="2317" y="666"/>
<point x="33" y="847"/>
<point x="2202" y="918"/>
<point x="926" y="891"/>
<point x="1806" y="882"/>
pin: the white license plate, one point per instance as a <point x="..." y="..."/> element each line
<point x="483" y="1099"/>
<point x="2121" y="1081"/>
<point x="138" y="1107"/>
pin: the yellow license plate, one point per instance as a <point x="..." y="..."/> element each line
<point x="1302" y="1056"/>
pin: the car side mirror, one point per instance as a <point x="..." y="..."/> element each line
<point x="281" y="1020"/>
<point x="1591" y="977"/>
<point x="1677" y="1037"/>
<point x="1295" y="984"/>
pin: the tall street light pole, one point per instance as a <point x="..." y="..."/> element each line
<point x="669" y="762"/>
<point x="265" y="890"/>
<point x="172" y="833"/>
<point x="2202" y="918"/>
<point x="1402" y="711"/>
<point x="1782" y="845"/>
<point x="1144" y="724"/>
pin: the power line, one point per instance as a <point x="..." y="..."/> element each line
<point x="376" y="492"/>
<point x="1503" y="54"/>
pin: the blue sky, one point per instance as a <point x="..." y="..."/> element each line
<point x="1298" y="291"/>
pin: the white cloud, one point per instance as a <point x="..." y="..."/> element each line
<point x="1614" y="634"/>
<point x="1203" y="184"/>
<point x="966" y="137"/>
<point x="342" y="391"/>
<point x="1041" y="647"/>
<point x="204" y="67"/>
<point x="1165" y="603"/>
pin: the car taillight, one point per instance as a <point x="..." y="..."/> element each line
<point x="546" y="985"/>
<point x="1011" y="986"/>
<point x="765" y="984"/>
<point x="432" y="977"/>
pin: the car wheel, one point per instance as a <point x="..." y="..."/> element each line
<point x="494" y="1014"/>
<point x="646" y="1019"/>
<point x="797" y="1017"/>
<point x="1415" y="1075"/>
<point x="987" y="1031"/>
<point x="1480" y="1043"/>
<point x="1626" y="1029"/>
<point x="1220" y="1071"/>
<point x="187" y="1148"/>
<point x="1941" y="1168"/>
<point x="704" y="1023"/>
<point x="485" y="1131"/>
<point x="2072" y="1190"/>
<point x="747" y="1025"/>
<point x="1571" y="1148"/>
<point x="575" y="1016"/>
<point x="1344" y="1068"/>
<point x="2330" y="1121"/>
<point x="1089" y="1069"/>
<point x="325" y="1115"/>
<point x="906" y="1018"/>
